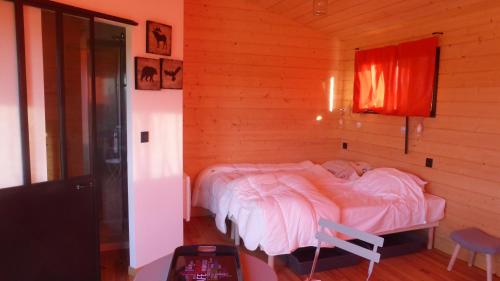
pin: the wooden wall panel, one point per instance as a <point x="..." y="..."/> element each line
<point x="253" y="86"/>
<point x="464" y="138"/>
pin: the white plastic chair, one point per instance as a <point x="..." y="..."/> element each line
<point x="373" y="256"/>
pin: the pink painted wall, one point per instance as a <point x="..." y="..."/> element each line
<point x="155" y="168"/>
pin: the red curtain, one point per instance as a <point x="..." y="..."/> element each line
<point x="374" y="79"/>
<point x="396" y="80"/>
<point x="416" y="66"/>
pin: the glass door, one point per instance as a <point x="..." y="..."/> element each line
<point x="112" y="199"/>
<point x="11" y="162"/>
<point x="48" y="225"/>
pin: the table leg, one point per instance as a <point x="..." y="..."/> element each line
<point x="454" y="257"/>
<point x="489" y="267"/>
<point x="472" y="258"/>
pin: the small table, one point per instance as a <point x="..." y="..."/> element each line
<point x="253" y="269"/>
<point x="476" y="241"/>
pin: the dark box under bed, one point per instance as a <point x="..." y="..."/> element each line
<point x="398" y="244"/>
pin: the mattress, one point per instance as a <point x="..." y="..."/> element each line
<point x="435" y="207"/>
<point x="353" y="213"/>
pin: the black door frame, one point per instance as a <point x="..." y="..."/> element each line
<point x="123" y="129"/>
<point x="59" y="9"/>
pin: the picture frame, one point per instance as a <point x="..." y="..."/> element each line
<point x="158" y="38"/>
<point x="147" y="74"/>
<point x="172" y="74"/>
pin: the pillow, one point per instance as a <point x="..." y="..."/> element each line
<point x="420" y="182"/>
<point x="361" y="167"/>
<point x="341" y="169"/>
<point x="388" y="175"/>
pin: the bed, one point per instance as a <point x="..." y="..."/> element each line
<point x="276" y="207"/>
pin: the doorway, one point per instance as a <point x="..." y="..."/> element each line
<point x="111" y="147"/>
<point x="60" y="179"/>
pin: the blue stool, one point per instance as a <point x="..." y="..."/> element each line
<point x="476" y="241"/>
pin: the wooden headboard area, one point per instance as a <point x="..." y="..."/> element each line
<point x="254" y="84"/>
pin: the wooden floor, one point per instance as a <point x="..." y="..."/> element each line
<point x="114" y="265"/>
<point x="425" y="265"/>
<point x="422" y="266"/>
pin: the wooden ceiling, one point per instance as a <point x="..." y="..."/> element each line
<point x="349" y="19"/>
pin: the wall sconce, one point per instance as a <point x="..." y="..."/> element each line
<point x="341" y="119"/>
<point x="420" y="129"/>
<point x="320" y="7"/>
<point x="403" y="130"/>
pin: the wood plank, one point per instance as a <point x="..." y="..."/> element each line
<point x="216" y="57"/>
<point x="253" y="36"/>
<point x="256" y="84"/>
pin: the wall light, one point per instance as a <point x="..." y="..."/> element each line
<point x="341" y="119"/>
<point x="420" y="128"/>
<point x="402" y="130"/>
<point x="320" y="7"/>
<point x="319" y="118"/>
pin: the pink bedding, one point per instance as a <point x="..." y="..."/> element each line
<point x="278" y="212"/>
<point x="277" y="206"/>
<point x="435" y="207"/>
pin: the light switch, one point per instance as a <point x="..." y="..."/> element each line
<point x="144" y="136"/>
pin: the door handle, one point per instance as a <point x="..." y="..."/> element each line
<point x="82" y="186"/>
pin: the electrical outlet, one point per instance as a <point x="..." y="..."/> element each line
<point x="428" y="162"/>
<point x="344" y="145"/>
<point x="144" y="137"/>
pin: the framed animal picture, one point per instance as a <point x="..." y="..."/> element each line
<point x="172" y="74"/>
<point x="158" y="38"/>
<point x="147" y="74"/>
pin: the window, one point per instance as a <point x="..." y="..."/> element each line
<point x="375" y="72"/>
<point x="396" y="80"/>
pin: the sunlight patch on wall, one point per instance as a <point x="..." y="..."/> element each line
<point x="160" y="157"/>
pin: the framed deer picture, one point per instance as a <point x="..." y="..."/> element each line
<point x="158" y="38"/>
<point x="147" y="74"/>
<point x="172" y="74"/>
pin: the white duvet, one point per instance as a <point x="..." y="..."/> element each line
<point x="277" y="206"/>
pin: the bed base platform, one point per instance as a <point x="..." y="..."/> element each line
<point x="430" y="227"/>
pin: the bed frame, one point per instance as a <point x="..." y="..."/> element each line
<point x="431" y="228"/>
